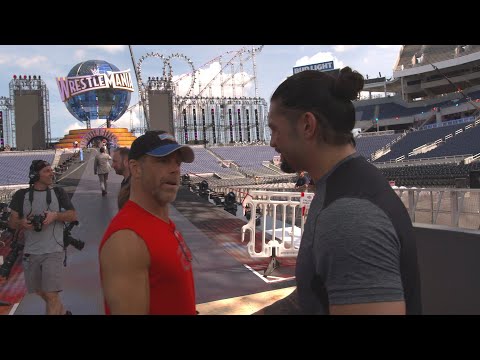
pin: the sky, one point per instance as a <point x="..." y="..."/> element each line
<point x="273" y="64"/>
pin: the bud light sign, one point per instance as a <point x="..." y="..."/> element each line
<point x="325" y="66"/>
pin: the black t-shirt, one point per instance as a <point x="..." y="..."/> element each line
<point x="125" y="182"/>
<point x="301" y="181"/>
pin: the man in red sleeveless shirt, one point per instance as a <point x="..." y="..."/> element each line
<point x="145" y="264"/>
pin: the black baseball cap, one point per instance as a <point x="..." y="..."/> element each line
<point x="159" y="143"/>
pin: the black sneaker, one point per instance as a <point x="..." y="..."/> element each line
<point x="68" y="312"/>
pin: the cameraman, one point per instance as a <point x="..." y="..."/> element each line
<point x="36" y="210"/>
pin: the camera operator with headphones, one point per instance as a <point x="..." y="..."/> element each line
<point x="37" y="210"/>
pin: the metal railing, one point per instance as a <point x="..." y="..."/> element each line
<point x="451" y="207"/>
<point x="285" y="241"/>
<point x="439" y="206"/>
<point x="440" y="159"/>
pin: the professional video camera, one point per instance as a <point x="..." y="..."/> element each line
<point x="203" y="189"/>
<point x="11" y="258"/>
<point x="37" y="222"/>
<point x="230" y="203"/>
<point x="68" y="239"/>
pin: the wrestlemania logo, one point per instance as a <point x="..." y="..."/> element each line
<point x="71" y="86"/>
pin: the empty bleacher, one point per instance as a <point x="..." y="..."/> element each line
<point x="418" y="138"/>
<point x="365" y="112"/>
<point x="434" y="175"/>
<point x="467" y="142"/>
<point x="247" y="156"/>
<point x="396" y="107"/>
<point x="18" y="165"/>
<point x="393" y="110"/>
<point x="227" y="173"/>
<point x="204" y="163"/>
<point x="258" y="171"/>
<point x="367" y="145"/>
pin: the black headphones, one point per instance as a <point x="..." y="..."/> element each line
<point x="34" y="174"/>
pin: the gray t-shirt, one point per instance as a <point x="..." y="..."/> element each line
<point x="353" y="246"/>
<point x="50" y="239"/>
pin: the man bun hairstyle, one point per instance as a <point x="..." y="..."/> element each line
<point x="348" y="84"/>
<point x="327" y="96"/>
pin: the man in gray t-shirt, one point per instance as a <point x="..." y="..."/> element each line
<point x="357" y="254"/>
<point x="37" y="211"/>
<point x="353" y="246"/>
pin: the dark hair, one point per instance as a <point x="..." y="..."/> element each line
<point x="123" y="151"/>
<point x="327" y="97"/>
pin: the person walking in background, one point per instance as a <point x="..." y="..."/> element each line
<point x="101" y="167"/>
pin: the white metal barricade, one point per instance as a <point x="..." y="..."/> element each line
<point x="285" y="241"/>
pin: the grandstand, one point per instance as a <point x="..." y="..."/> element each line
<point x="246" y="156"/>
<point x="15" y="165"/>
<point x="421" y="126"/>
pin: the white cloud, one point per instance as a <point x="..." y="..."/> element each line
<point x="386" y="46"/>
<point x="365" y="60"/>
<point x="79" y="54"/>
<point x="343" y="48"/>
<point x="5" y="59"/>
<point x="26" y="63"/>
<point x="319" y="58"/>
<point x="110" y="48"/>
<point x="73" y="126"/>
<point x="125" y="119"/>
<point x="211" y="76"/>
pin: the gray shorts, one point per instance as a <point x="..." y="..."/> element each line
<point x="44" y="272"/>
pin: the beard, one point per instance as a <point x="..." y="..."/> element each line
<point x="286" y="167"/>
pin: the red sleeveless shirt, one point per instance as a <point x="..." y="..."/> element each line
<point x="172" y="290"/>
